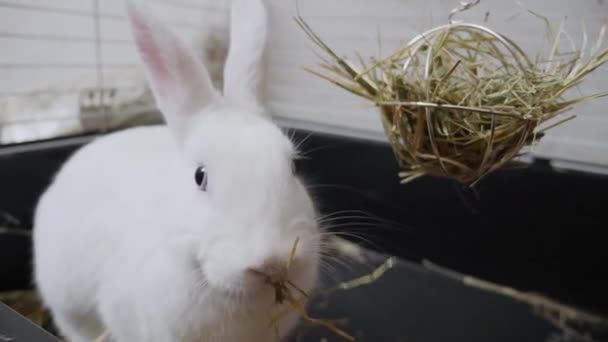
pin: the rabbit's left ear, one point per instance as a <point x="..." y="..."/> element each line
<point x="246" y="64"/>
<point x="179" y="80"/>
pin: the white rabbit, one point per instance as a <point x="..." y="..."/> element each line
<point x="161" y="233"/>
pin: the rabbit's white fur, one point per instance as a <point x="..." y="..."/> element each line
<point x="124" y="239"/>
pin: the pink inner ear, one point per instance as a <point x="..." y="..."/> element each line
<point x="152" y="53"/>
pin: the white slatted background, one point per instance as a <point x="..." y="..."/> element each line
<point x="44" y="42"/>
<point x="51" y="44"/>
<point x="50" y="51"/>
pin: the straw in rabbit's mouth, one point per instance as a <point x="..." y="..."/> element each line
<point x="285" y="292"/>
<point x="281" y="283"/>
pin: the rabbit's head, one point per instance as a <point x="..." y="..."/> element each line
<point x="238" y="162"/>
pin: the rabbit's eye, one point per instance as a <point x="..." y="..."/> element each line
<point x="200" y="177"/>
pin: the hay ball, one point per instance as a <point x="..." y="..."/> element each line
<point x="460" y="100"/>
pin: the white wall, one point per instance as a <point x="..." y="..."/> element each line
<point x="44" y="42"/>
<point x="57" y="48"/>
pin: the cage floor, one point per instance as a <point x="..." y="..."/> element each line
<point x="408" y="303"/>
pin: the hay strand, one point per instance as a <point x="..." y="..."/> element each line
<point x="557" y="314"/>
<point x="284" y="293"/>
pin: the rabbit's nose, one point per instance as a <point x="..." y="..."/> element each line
<point x="269" y="268"/>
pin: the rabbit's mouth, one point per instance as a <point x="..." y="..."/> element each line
<point x="243" y="295"/>
<point x="239" y="289"/>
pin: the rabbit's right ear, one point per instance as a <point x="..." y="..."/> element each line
<point x="179" y="80"/>
<point x="246" y="64"/>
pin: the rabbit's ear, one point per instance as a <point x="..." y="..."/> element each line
<point x="246" y="64"/>
<point x="180" y="82"/>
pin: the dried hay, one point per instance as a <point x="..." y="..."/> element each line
<point x="461" y="100"/>
<point x="285" y="292"/>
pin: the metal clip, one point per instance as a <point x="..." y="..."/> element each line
<point x="95" y="108"/>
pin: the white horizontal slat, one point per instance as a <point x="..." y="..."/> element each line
<point x="75" y="5"/>
<point x="205" y="5"/>
<point x="20" y="51"/>
<point x="27" y="80"/>
<point x="112" y="29"/>
<point x="66" y="6"/>
<point x="114" y="11"/>
<point x="586" y="152"/>
<point x="51" y="54"/>
<point x="24" y="21"/>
